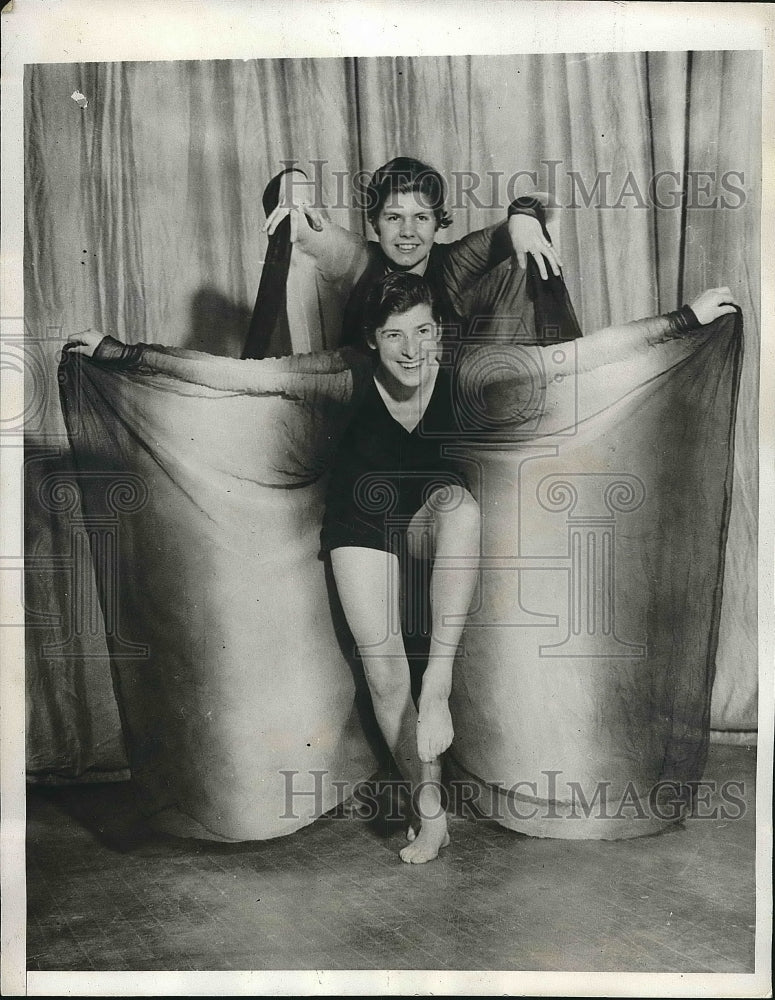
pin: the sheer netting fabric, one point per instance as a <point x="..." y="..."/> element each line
<point x="603" y="469"/>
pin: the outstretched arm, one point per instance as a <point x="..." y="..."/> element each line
<point x="117" y="355"/>
<point x="615" y="342"/>
<point x="328" y="376"/>
<point x="505" y="365"/>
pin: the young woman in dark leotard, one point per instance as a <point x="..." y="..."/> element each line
<point x="393" y="491"/>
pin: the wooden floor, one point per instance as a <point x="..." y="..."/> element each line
<point x="106" y="894"/>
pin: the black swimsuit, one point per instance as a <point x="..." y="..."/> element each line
<point x="383" y="473"/>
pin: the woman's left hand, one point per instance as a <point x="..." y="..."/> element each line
<point x="85" y="342"/>
<point x="527" y="237"/>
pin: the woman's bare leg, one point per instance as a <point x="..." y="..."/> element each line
<point x="455" y="541"/>
<point x="368" y="584"/>
<point x="456" y="549"/>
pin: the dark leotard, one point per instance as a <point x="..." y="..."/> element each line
<point x="384" y="473"/>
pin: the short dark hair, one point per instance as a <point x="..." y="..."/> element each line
<point x="397" y="292"/>
<point x="402" y="175"/>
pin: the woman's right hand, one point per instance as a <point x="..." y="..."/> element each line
<point x="713" y="302"/>
<point x="84" y="343"/>
<point x="293" y="203"/>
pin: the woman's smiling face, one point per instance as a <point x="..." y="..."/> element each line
<point x="406" y="344"/>
<point x="406" y="227"/>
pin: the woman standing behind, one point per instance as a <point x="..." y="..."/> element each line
<point x="405" y="206"/>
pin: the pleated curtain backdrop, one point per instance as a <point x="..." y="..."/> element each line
<point x="143" y="220"/>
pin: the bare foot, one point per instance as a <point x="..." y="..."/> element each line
<point x="434" y="728"/>
<point x="425" y="845"/>
<point x="433" y="836"/>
